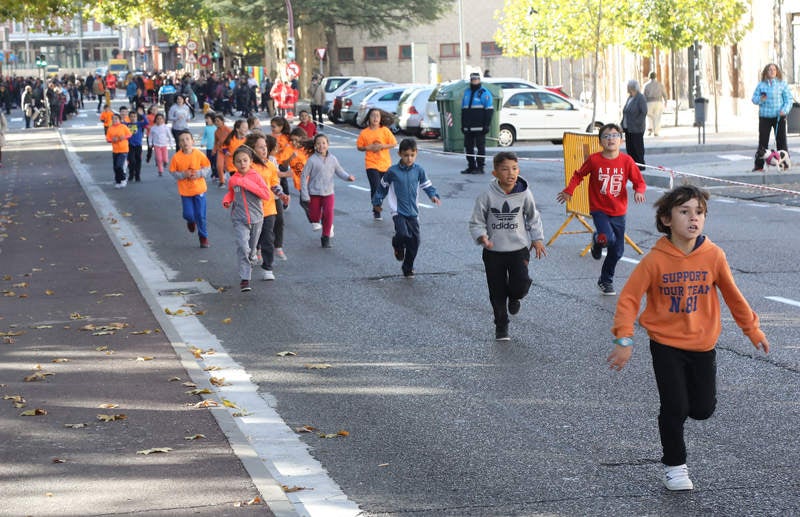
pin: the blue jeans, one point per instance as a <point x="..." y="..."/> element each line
<point x="194" y="211"/>
<point x="119" y="166"/>
<point x="614" y="229"/>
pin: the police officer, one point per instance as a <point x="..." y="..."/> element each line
<point x="476" y="118"/>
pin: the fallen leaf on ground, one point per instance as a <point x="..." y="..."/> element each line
<point x="34" y="412"/>
<point x="111" y="418"/>
<point x="344" y="433"/>
<point x="76" y="316"/>
<point x="218" y="381"/>
<point x="15" y="398"/>
<point x="305" y="429"/>
<point x="227" y="320"/>
<point x="173" y="379"/>
<point x="383" y="465"/>
<point x="179" y="312"/>
<point x="61" y="360"/>
<point x="12" y="333"/>
<point x="188" y="384"/>
<point x="38" y="376"/>
<point x="75" y="426"/>
<point x="20" y="284"/>
<point x="109" y="295"/>
<point x="40" y="327"/>
<point x="59" y="460"/>
<point x="240" y="413"/>
<point x="251" y="502"/>
<point x="49" y="292"/>
<point x="289" y="490"/>
<point x="199" y="391"/>
<point x="212" y="368"/>
<point x="108" y="406"/>
<point x="104" y="333"/>
<point x="206" y="403"/>
<point x="141" y="332"/>
<point x="194" y="437"/>
<point x="145" y="358"/>
<point x="228" y="403"/>
<point x="285" y="353"/>
<point x="317" y="366"/>
<point x="101" y="348"/>
<point x="154" y="450"/>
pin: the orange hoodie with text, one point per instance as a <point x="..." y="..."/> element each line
<point x="683" y="308"/>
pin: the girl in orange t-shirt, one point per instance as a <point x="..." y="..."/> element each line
<point x="280" y="130"/>
<point x="232" y="142"/>
<point x="375" y="141"/>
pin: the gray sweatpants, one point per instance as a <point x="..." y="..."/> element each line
<point x="246" y="236"/>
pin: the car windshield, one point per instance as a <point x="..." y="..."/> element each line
<point x="332" y="84"/>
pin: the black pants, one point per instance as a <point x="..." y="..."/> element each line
<point x="266" y="242"/>
<point x="374" y="178"/>
<point x="406" y="237"/>
<point x="475" y="148"/>
<point x="687" y="388"/>
<point x="507" y="278"/>
<point x="634" y="146"/>
<point x="316" y="113"/>
<point x="765" y="127"/>
<point x="135" y="162"/>
<point x="278" y="227"/>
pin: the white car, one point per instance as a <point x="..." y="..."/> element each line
<point x="385" y="99"/>
<point x="334" y="85"/>
<point x="412" y="108"/>
<point x="537" y="114"/>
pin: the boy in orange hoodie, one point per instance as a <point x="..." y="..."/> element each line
<point x="680" y="277"/>
<point x="118" y="134"/>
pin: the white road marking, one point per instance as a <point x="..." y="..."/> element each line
<point x="269" y="449"/>
<point x="734" y="157"/>
<point x="780" y="299"/>
<point x="359" y="187"/>
<point x="626" y="259"/>
<point x="425" y="205"/>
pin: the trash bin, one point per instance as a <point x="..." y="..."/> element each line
<point x="448" y="100"/>
<point x="700" y="105"/>
<point x="793" y="119"/>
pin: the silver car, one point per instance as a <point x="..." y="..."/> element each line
<point x="412" y="108"/>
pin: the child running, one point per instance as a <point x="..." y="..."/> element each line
<point x="609" y="172"/>
<point x="207" y="141"/>
<point x="680" y="277"/>
<point x="119" y="134"/>
<point x="402" y="183"/>
<point x="190" y="168"/>
<point x="262" y="146"/>
<point x="160" y="137"/>
<point x="137" y="127"/>
<point x="235" y="138"/>
<point x="246" y="190"/>
<point x="220" y="134"/>
<point x="317" y="186"/>
<point x="507" y="224"/>
<point x="281" y="130"/>
<point x="375" y="141"/>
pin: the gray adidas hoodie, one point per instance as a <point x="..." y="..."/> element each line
<point x="511" y="221"/>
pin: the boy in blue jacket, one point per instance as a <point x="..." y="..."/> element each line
<point x="137" y="124"/>
<point x="402" y="182"/>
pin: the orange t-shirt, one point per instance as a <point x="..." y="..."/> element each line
<point x="228" y="151"/>
<point x="285" y="148"/>
<point x="219" y="136"/>
<point x="296" y="164"/>
<point x="105" y="117"/>
<point x="269" y="173"/>
<point x="195" y="160"/>
<point x="121" y="132"/>
<point x="380" y="160"/>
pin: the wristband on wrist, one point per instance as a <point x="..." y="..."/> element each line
<point x="623" y="341"/>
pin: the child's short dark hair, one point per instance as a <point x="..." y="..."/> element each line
<point x="606" y="127"/>
<point x="220" y="117"/>
<point x="407" y="144"/>
<point x="503" y="156"/>
<point x="677" y="197"/>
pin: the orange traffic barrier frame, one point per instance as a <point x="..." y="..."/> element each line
<point x="577" y="148"/>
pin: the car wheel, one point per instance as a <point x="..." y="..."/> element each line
<point x="506" y="137"/>
<point x="594" y="127"/>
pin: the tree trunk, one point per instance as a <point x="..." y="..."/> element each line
<point x="332" y="45"/>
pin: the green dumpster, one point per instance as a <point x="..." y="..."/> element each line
<point x="448" y="100"/>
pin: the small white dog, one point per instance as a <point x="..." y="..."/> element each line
<point x="779" y="159"/>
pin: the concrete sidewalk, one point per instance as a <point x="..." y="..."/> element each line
<point x="114" y="429"/>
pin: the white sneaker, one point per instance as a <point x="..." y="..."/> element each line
<point x="123" y="184"/>
<point x="316" y="227"/>
<point x="117" y="185"/>
<point x="677" y="478"/>
<point x="280" y="254"/>
<point x="331" y="235"/>
<point x="267" y="274"/>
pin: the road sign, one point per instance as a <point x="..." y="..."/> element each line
<point x="191" y="58"/>
<point x="204" y="60"/>
<point x="321" y="52"/>
<point x="191" y="45"/>
<point x="292" y="69"/>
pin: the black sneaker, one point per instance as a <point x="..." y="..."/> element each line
<point x="326" y="242"/>
<point x="598" y="241"/>
<point x="513" y="306"/>
<point x="377" y="215"/>
<point x="468" y="170"/>
<point x="409" y="274"/>
<point x="501" y="334"/>
<point x="606" y="288"/>
<point x="244" y="286"/>
<point x="399" y="253"/>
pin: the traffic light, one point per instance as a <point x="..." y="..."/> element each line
<point x="216" y="49"/>
<point x="290" y="55"/>
<point x="41" y="60"/>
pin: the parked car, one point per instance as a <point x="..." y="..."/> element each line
<point x="352" y="100"/>
<point x="334" y="85"/>
<point x="335" y="111"/>
<point x="536" y="114"/>
<point x="430" y="126"/>
<point x="411" y="107"/>
<point x="507" y="83"/>
<point x="385" y="99"/>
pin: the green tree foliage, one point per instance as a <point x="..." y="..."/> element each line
<point x="44" y="12"/>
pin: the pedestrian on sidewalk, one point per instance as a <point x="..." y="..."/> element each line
<point x="190" y="168"/>
<point x="477" y="109"/>
<point x="774" y="101"/>
<point x="656" y="96"/>
<point x="159" y="139"/>
<point x="317" y="187"/>
<point x="680" y="277"/>
<point x="507" y="224"/>
<point x="246" y="190"/>
<point x="609" y="172"/>
<point x="634" y="121"/>
<point x="405" y="178"/>
<point x="317" y="94"/>
<point x="118" y="135"/>
<point x="374" y="141"/>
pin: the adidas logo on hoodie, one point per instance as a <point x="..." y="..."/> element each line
<point x="505" y="217"/>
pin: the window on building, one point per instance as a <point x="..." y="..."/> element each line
<point x="451" y="50"/>
<point x="375" y="53"/>
<point x="344" y="54"/>
<point x="490" y="49"/>
<point x="405" y="52"/>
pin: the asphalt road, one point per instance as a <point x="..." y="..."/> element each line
<point x="442" y="420"/>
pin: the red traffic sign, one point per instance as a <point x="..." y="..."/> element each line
<point x="321" y="52"/>
<point x="292" y="69"/>
<point x="204" y="60"/>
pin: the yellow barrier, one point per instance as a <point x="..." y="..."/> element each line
<point x="577" y="148"/>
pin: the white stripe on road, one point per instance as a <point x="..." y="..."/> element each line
<point x="780" y="299"/>
<point x="359" y="187"/>
<point x="424" y="205"/>
<point x="734" y="157"/>
<point x="626" y="259"/>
